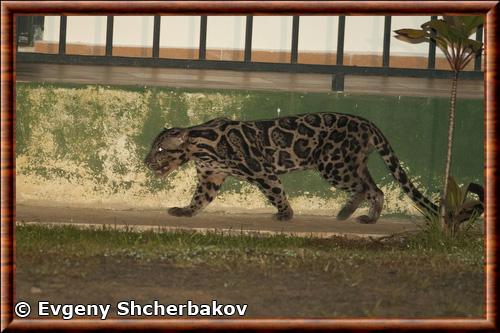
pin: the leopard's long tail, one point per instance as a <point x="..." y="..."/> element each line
<point x="392" y="162"/>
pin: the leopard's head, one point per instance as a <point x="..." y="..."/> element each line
<point x="168" y="151"/>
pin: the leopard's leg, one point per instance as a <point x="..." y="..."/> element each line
<point x="354" y="178"/>
<point x="272" y="188"/>
<point x="206" y="190"/>
<point x="376" y="198"/>
<point x="341" y="175"/>
<point x="352" y="204"/>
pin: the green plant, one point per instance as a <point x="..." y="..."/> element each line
<point x="451" y="34"/>
<point x="460" y="212"/>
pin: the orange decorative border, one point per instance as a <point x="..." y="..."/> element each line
<point x="11" y="8"/>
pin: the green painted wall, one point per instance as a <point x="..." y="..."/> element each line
<point x="84" y="145"/>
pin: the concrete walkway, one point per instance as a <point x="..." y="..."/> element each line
<point x="301" y="225"/>
<point x="224" y="79"/>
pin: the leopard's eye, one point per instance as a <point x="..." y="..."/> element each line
<point x="160" y="148"/>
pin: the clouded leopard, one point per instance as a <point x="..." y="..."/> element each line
<point x="336" y="145"/>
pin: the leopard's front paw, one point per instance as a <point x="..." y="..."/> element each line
<point x="283" y="216"/>
<point x="181" y="211"/>
<point x="365" y="219"/>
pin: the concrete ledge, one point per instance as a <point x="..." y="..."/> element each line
<point x="232" y="224"/>
<point x="227" y="79"/>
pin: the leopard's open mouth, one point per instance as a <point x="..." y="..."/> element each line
<point x="159" y="170"/>
<point x="162" y="171"/>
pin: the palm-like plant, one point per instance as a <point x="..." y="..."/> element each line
<point x="460" y="208"/>
<point x="451" y="34"/>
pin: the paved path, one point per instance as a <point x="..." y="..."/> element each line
<point x="303" y="225"/>
<point x="224" y="79"/>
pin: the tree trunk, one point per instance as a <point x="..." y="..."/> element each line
<point x="451" y="126"/>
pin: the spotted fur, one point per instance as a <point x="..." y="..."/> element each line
<point x="337" y="145"/>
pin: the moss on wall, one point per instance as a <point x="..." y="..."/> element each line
<point x="84" y="145"/>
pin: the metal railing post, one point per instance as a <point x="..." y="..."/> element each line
<point x="156" y="36"/>
<point x="479" y="38"/>
<point x="203" y="38"/>
<point x="109" y="36"/>
<point x="338" y="78"/>
<point x="386" y="53"/>
<point x="295" y="40"/>
<point x="62" y="34"/>
<point x="248" y="39"/>
<point x="431" y="60"/>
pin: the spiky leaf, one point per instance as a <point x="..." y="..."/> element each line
<point x="471" y="23"/>
<point x="444" y="30"/>
<point x="413" y="36"/>
<point x="452" y="21"/>
<point x="454" y="198"/>
<point x="474" y="45"/>
<point x="412" y="33"/>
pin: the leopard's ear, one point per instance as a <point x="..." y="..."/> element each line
<point x="184" y="135"/>
<point x="181" y="136"/>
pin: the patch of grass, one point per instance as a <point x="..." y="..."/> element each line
<point x="216" y="248"/>
<point x="433" y="237"/>
<point x="461" y="229"/>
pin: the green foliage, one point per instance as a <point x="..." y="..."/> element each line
<point x="433" y="236"/>
<point x="458" y="221"/>
<point x="456" y="204"/>
<point x="451" y="34"/>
